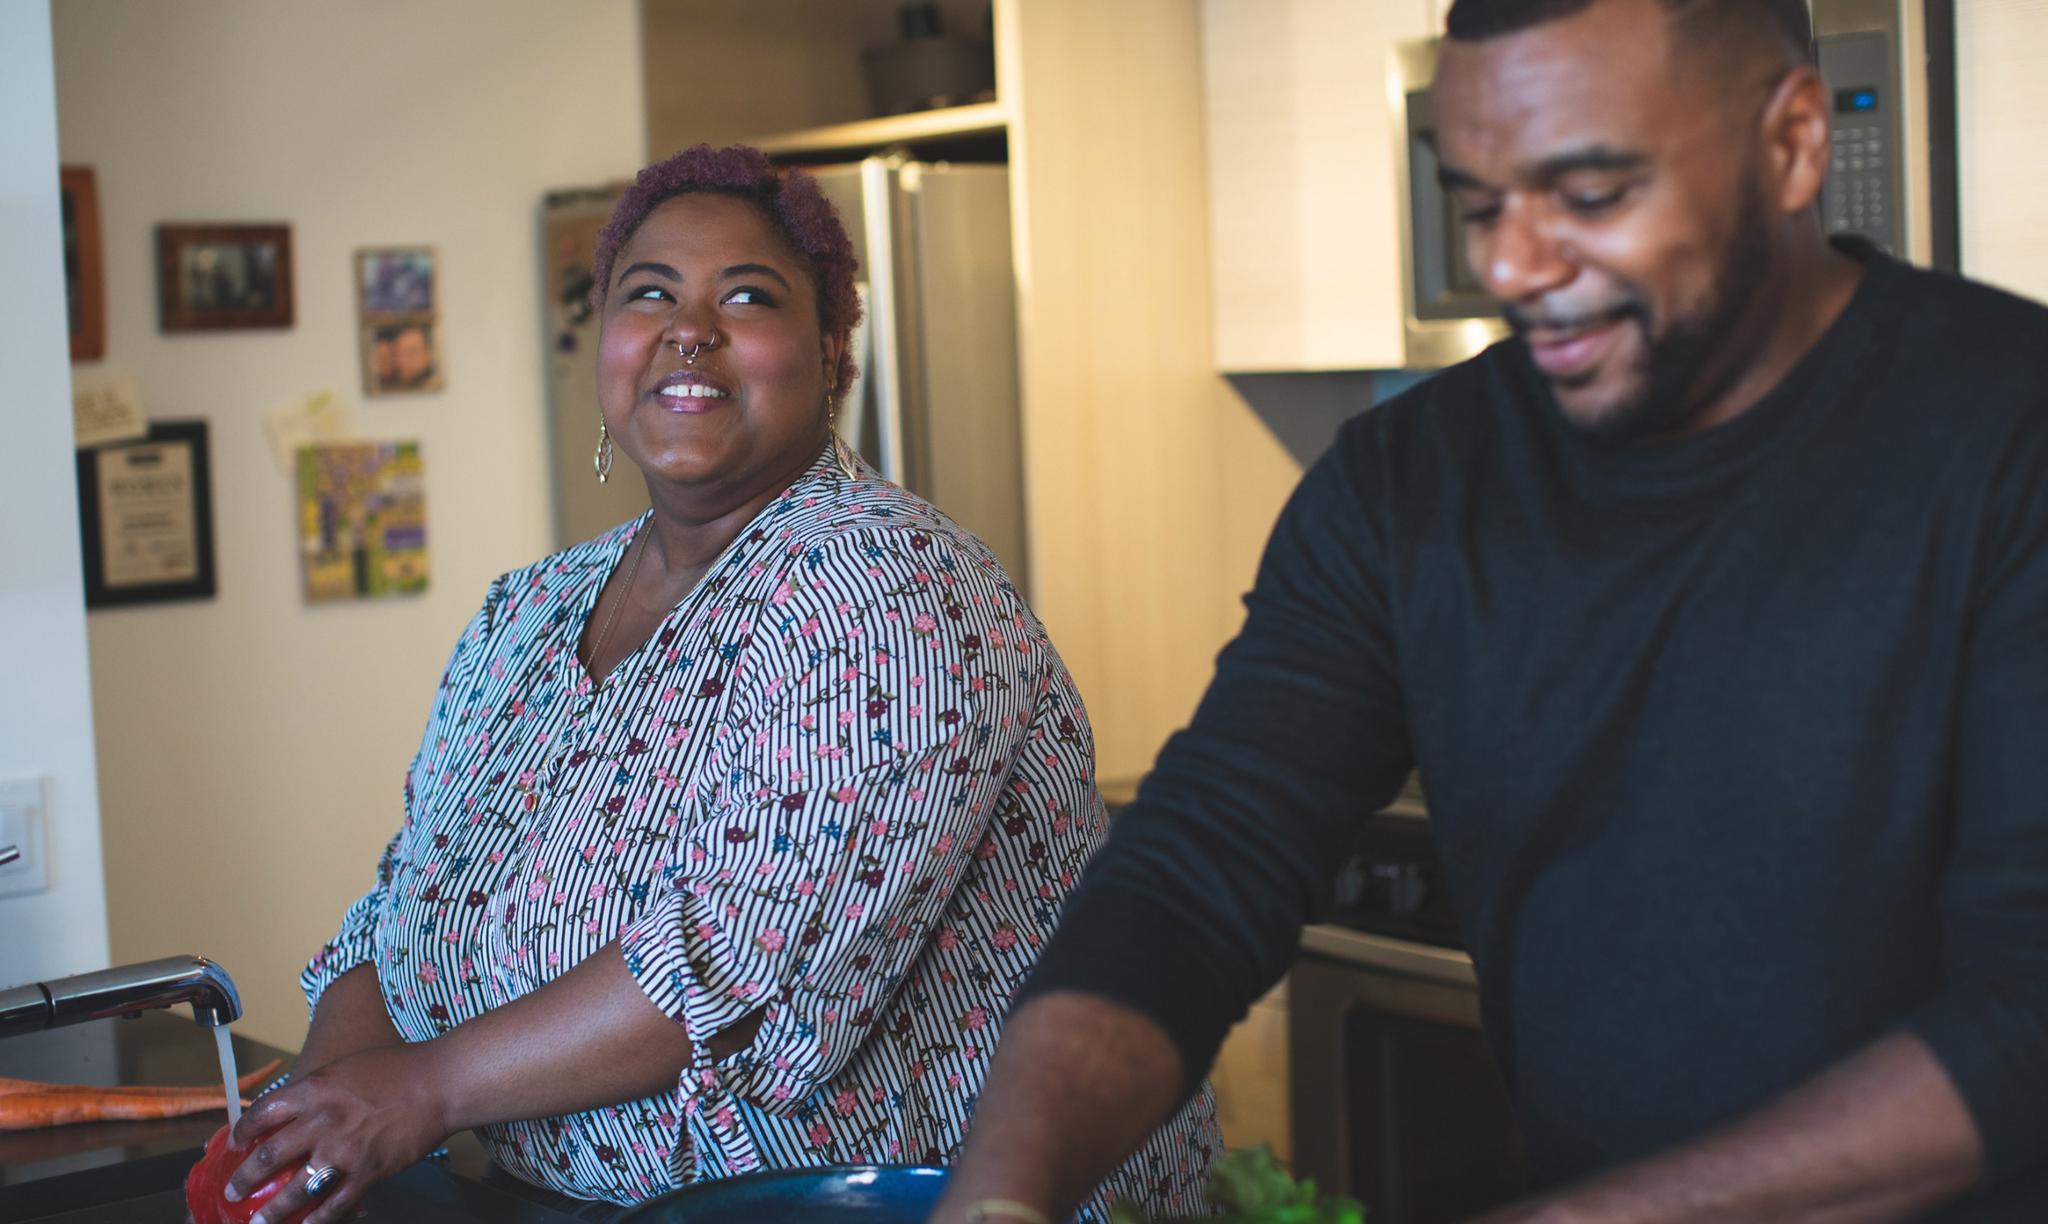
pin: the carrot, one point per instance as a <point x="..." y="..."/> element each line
<point x="29" y="1104"/>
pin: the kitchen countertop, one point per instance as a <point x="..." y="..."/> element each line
<point x="43" y="1170"/>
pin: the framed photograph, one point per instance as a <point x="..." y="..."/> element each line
<point x="146" y="513"/>
<point x="397" y="314"/>
<point x="401" y="356"/>
<point x="85" y="286"/>
<point x="395" y="280"/>
<point x="224" y="277"/>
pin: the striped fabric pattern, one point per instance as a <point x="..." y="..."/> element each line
<point x="847" y="783"/>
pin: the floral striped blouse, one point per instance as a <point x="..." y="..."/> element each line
<point x="847" y="782"/>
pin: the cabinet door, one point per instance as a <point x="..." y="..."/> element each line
<point x="1304" y="232"/>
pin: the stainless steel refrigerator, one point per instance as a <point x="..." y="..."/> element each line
<point x="936" y="407"/>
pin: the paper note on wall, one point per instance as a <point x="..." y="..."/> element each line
<point x="107" y="410"/>
<point x="319" y="417"/>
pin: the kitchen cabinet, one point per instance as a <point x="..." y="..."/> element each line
<point x="1304" y="223"/>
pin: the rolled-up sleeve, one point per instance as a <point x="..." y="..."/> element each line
<point x="1989" y="1024"/>
<point x="355" y="943"/>
<point x="877" y="717"/>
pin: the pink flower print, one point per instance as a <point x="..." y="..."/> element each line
<point x="781" y="1092"/>
<point x="854" y="911"/>
<point x="468" y="968"/>
<point x="916" y="711"/>
<point x="924" y="622"/>
<point x="536" y="890"/>
<point x="618" y="847"/>
<point x="590" y="854"/>
<point x="1005" y="937"/>
<point x="879" y="828"/>
<point x="526" y="779"/>
<point x="497" y="856"/>
<point x="942" y="845"/>
<point x="770" y="940"/>
<point x="970" y="1053"/>
<point x="821" y="1135"/>
<point x="831" y="1015"/>
<point x="916" y="793"/>
<point x="805" y="888"/>
<point x="724" y="1117"/>
<point x="590" y="927"/>
<point x="554" y="960"/>
<point x="953" y="1081"/>
<point x="808" y="722"/>
<point x="917" y="682"/>
<point x="845" y="1103"/>
<point x="597" y="890"/>
<point x="947" y="939"/>
<point x="781" y="595"/>
<point x="809" y="627"/>
<point x="428" y="973"/>
<point x="782" y="753"/>
<point x="845" y="717"/>
<point x="995" y="637"/>
<point x="844" y="794"/>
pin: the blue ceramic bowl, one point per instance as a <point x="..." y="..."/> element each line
<point x="832" y="1194"/>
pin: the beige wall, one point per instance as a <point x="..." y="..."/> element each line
<point x="45" y="711"/>
<point x="251" y="747"/>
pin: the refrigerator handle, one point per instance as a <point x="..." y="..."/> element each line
<point x="878" y="213"/>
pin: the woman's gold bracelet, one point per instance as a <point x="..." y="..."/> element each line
<point x="984" y="1211"/>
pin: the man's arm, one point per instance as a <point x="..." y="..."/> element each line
<point x="1077" y="1082"/>
<point x="1881" y="1136"/>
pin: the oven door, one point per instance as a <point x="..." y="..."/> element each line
<point x="1396" y="1098"/>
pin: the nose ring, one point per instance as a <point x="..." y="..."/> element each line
<point x="689" y="354"/>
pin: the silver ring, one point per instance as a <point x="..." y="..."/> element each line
<point x="317" y="1180"/>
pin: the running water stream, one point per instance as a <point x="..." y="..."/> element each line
<point x="227" y="1072"/>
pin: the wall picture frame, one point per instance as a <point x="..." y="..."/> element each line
<point x="85" y="285"/>
<point x="146" y="518"/>
<point x="398" y="319"/>
<point x="223" y="277"/>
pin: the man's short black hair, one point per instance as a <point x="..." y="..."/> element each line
<point x="1787" y="20"/>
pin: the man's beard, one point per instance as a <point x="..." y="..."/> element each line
<point x="1673" y="370"/>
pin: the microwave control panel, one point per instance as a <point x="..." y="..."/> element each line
<point x="1861" y="195"/>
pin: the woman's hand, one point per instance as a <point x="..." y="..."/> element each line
<point x="368" y="1115"/>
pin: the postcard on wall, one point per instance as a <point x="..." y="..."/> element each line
<point x="319" y="417"/>
<point x="146" y="518"/>
<point x="398" y="318"/>
<point x="106" y="409"/>
<point x="362" y="519"/>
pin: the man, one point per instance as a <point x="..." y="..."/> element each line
<point x="1713" y="608"/>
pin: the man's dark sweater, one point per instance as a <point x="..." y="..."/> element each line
<point x="1736" y="746"/>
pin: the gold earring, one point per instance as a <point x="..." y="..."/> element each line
<point x="841" y="452"/>
<point x="602" y="461"/>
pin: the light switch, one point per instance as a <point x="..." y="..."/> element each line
<point x="21" y="825"/>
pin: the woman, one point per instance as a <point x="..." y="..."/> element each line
<point x="732" y="829"/>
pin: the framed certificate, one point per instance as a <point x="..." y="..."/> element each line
<point x="146" y="517"/>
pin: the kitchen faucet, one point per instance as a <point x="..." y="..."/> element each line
<point x="123" y="991"/>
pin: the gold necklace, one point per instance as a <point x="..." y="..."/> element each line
<point x="632" y="572"/>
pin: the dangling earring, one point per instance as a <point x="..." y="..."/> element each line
<point x="840" y="450"/>
<point x="602" y="461"/>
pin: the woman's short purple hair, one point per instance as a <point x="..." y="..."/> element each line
<point x="791" y="201"/>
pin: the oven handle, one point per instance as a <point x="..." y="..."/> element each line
<point x="1427" y="961"/>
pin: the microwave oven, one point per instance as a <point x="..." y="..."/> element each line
<point x="1890" y="70"/>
